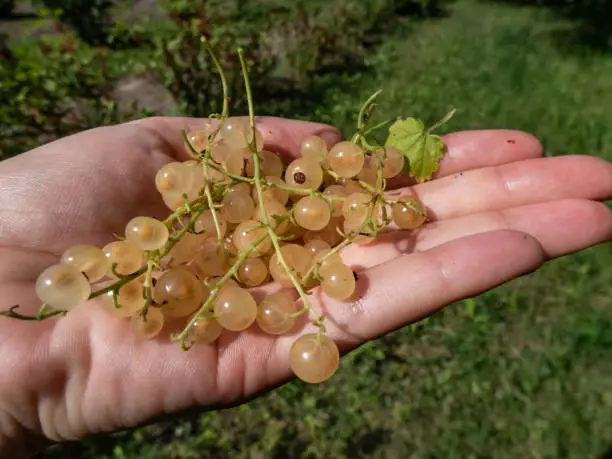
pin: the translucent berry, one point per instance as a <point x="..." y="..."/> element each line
<point x="147" y="233"/>
<point x="253" y="272"/>
<point x="126" y="257"/>
<point x="206" y="223"/>
<point x="234" y="162"/>
<point x="405" y="216"/>
<point x="237" y="206"/>
<point x="206" y="331"/>
<point x="129" y="297"/>
<point x="209" y="257"/>
<point x="297" y="258"/>
<point x="369" y="174"/>
<point x="340" y="192"/>
<point x="149" y="326"/>
<point x="352" y="186"/>
<point x="304" y="174"/>
<point x="271" y="165"/>
<point x="185" y="249"/>
<point x="274" y="210"/>
<point x="357" y="233"/>
<point x="174" y="179"/>
<point x="392" y="160"/>
<point x="338" y="280"/>
<point x="328" y="234"/>
<point x="274" y="313"/>
<point x="315" y="246"/>
<point x="346" y="159"/>
<point x="62" y="287"/>
<point x="323" y="258"/>
<point x="247" y="234"/>
<point x="312" y="213"/>
<point x="235" y="131"/>
<point x="178" y="292"/>
<point x="88" y="259"/>
<point x="356" y="207"/>
<point x="314" y="358"/>
<point x="235" y="309"/>
<point x="314" y="148"/>
<point x="276" y="194"/>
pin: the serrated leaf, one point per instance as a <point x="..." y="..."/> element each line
<point x="422" y="149"/>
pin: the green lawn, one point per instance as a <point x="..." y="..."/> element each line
<point x="523" y="371"/>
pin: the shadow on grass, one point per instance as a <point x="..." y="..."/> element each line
<point x="589" y="26"/>
<point x="607" y="454"/>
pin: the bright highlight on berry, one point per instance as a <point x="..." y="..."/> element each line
<point x="240" y="217"/>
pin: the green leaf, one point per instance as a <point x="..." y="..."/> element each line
<point x="422" y="149"/>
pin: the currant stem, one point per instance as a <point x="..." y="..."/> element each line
<point x="120" y="283"/>
<point x="361" y="119"/>
<point x="213" y="56"/>
<point x="215" y="291"/>
<point x="211" y="207"/>
<point x="315" y="267"/>
<point x="257" y="167"/>
<point x="407" y="204"/>
<point x="377" y="127"/>
<point x="445" y="119"/>
<point x="39" y="316"/>
<point x="181" y="233"/>
<point x="303" y="191"/>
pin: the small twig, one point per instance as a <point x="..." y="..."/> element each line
<point x="39" y="316"/>
<point x="445" y="119"/>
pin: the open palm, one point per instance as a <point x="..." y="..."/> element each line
<point x="499" y="211"/>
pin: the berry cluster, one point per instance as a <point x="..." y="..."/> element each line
<point x="241" y="218"/>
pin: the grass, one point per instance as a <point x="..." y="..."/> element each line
<point x="522" y="371"/>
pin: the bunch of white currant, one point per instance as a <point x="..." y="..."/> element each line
<point x="241" y="218"/>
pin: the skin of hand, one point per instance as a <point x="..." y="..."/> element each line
<point x="499" y="210"/>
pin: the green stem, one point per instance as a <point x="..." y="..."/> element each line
<point x="120" y="283"/>
<point x="361" y="119"/>
<point x="258" y="187"/>
<point x="39" y="316"/>
<point x="407" y="204"/>
<point x="215" y="291"/>
<point x="213" y="56"/>
<point x="208" y="163"/>
<point x="181" y="233"/>
<point x="211" y="206"/>
<point x="315" y="267"/>
<point x="304" y="191"/>
<point x="445" y="119"/>
<point x="375" y="128"/>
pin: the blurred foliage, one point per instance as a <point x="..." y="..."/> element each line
<point x="6" y="7"/>
<point x="63" y="83"/>
<point x="91" y="19"/>
<point x="593" y="16"/>
<point x="58" y="87"/>
<point x="291" y="44"/>
<point x="522" y="371"/>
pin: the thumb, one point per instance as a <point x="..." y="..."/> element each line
<point x="281" y="135"/>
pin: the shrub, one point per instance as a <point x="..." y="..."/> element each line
<point x="53" y="88"/>
<point x="90" y="19"/>
<point x="293" y="44"/>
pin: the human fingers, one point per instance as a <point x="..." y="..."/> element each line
<point x="561" y="227"/>
<point x="520" y="183"/>
<point x="281" y="135"/>
<point x="469" y="150"/>
<point x="411" y="287"/>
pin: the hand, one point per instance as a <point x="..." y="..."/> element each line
<point x="499" y="211"/>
